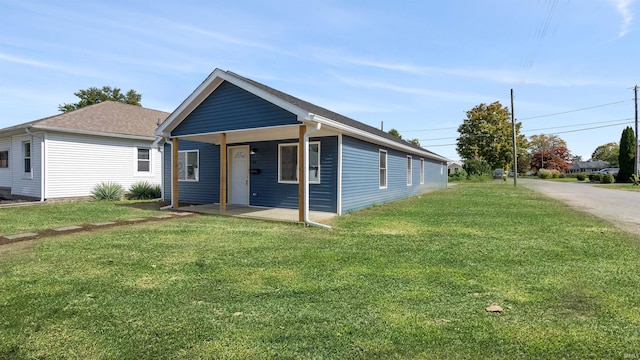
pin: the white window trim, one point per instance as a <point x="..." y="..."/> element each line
<point x="280" y="146"/>
<point x="409" y="170"/>
<point x="135" y="165"/>
<point x="29" y="174"/>
<point x="386" y="168"/>
<point x="421" y="171"/>
<point x="197" y="179"/>
<point x="8" y="161"/>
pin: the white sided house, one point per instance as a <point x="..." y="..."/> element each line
<point x="67" y="155"/>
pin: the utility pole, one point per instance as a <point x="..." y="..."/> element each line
<point x="635" y="162"/>
<point x="515" y="154"/>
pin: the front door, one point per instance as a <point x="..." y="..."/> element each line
<point x="239" y="175"/>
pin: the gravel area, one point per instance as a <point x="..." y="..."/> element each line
<point x="616" y="206"/>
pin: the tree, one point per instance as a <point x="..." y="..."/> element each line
<point x="545" y="142"/>
<point x="558" y="158"/>
<point x="395" y="133"/>
<point x="486" y="134"/>
<point x="627" y="155"/>
<point x="608" y="152"/>
<point x="549" y="152"/>
<point x="415" y="141"/>
<point x="94" y="95"/>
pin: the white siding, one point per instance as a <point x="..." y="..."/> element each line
<point x="25" y="184"/>
<point x="77" y="163"/>
<point x="5" y="173"/>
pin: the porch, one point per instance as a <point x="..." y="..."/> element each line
<point x="261" y="213"/>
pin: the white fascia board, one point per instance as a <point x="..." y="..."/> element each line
<point x="375" y="138"/>
<point x="207" y="87"/>
<point x="95" y="133"/>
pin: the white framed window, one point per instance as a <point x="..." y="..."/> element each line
<point x="144" y="160"/>
<point x="189" y="165"/>
<point x="409" y="170"/>
<point x="288" y="163"/>
<point x="26" y="154"/>
<point x="421" y="171"/>
<point x="4" y="159"/>
<point x="382" y="166"/>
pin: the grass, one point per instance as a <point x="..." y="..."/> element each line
<point x="620" y="186"/>
<point x="18" y="219"/>
<point x="410" y="279"/>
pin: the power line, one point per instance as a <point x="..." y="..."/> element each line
<point x="576" y="110"/>
<point x="566" y="126"/>
<point x="553" y="133"/>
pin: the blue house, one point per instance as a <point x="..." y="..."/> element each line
<point x="236" y="141"/>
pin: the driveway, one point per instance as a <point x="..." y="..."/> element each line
<point x="616" y="206"/>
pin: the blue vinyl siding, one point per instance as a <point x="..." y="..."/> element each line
<point x="229" y="108"/>
<point x="360" y="169"/>
<point x="266" y="191"/>
<point x="207" y="189"/>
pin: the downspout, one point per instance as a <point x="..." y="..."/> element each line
<point x="164" y="153"/>
<point x="306" y="178"/>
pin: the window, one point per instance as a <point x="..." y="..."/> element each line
<point x="421" y="171"/>
<point x="288" y="163"/>
<point x="144" y="160"/>
<point x="409" y="170"/>
<point x="382" y="156"/>
<point x="4" y="159"/>
<point x="188" y="165"/>
<point x="26" y="152"/>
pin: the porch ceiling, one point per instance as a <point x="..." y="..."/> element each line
<point x="253" y="135"/>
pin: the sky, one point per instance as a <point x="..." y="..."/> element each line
<point x="415" y="66"/>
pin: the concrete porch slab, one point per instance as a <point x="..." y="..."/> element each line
<point x="272" y="214"/>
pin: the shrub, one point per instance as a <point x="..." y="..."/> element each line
<point x="581" y="177"/>
<point x="562" y="175"/>
<point x="597" y="177"/>
<point x="607" y="178"/>
<point x="548" y="174"/>
<point x="476" y="167"/>
<point x="108" y="191"/>
<point x="458" y="176"/>
<point x="144" y="190"/>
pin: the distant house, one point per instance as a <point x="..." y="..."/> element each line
<point x="454" y="167"/>
<point x="237" y="141"/>
<point x="588" y="166"/>
<point x="66" y="155"/>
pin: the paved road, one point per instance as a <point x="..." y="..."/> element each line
<point x="620" y="207"/>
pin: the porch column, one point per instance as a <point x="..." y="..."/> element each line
<point x="174" y="172"/>
<point x="301" y="179"/>
<point x="223" y="173"/>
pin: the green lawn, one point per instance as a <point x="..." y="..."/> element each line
<point x="18" y="219"/>
<point x="410" y="279"/>
<point x="620" y="186"/>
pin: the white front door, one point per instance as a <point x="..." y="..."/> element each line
<point x="239" y="175"/>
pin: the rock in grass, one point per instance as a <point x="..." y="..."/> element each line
<point x="494" y="309"/>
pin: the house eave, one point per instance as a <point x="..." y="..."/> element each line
<point x="367" y="136"/>
<point x="93" y="133"/>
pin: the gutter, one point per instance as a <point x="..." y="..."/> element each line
<point x="307" y="220"/>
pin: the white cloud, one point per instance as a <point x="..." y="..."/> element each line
<point x="624" y="9"/>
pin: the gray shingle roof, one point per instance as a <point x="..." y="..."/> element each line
<point x="105" y="117"/>
<point x="315" y="109"/>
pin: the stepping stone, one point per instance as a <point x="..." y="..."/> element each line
<point x="163" y="216"/>
<point x="20" y="236"/>
<point x="135" y="219"/>
<point x="183" y="213"/>
<point x="104" y="223"/>
<point x="68" y="228"/>
<point x="494" y="309"/>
